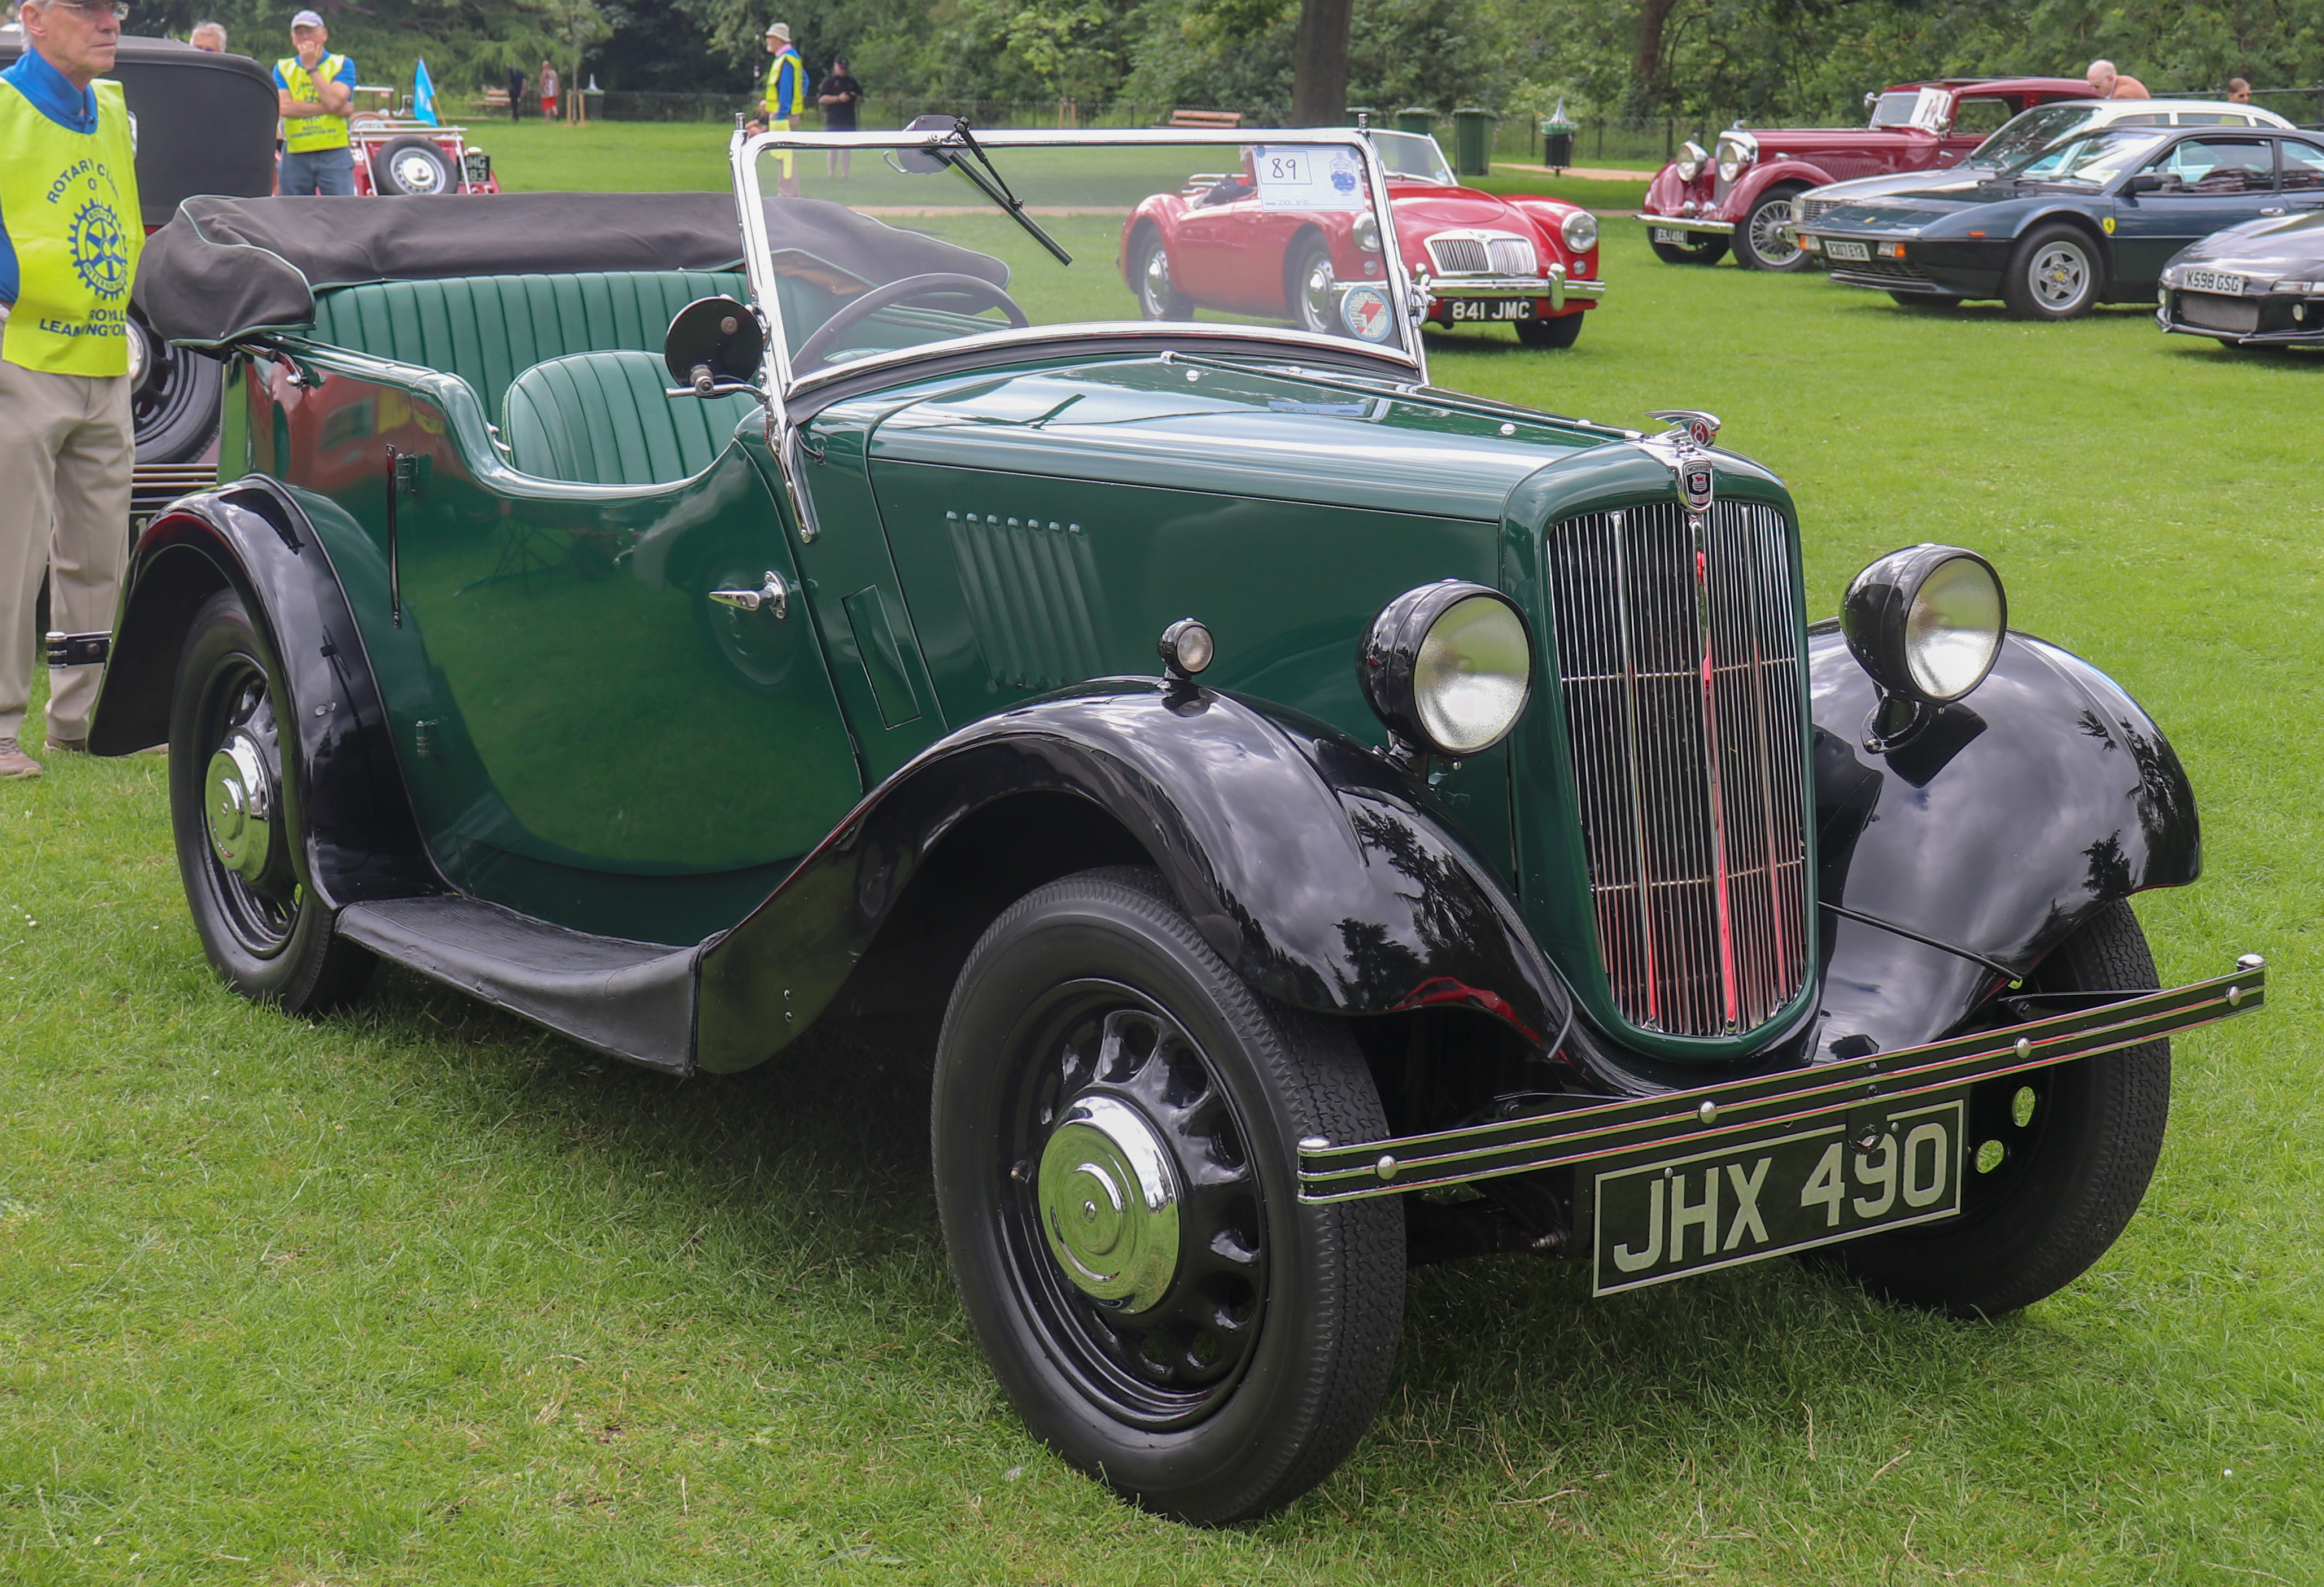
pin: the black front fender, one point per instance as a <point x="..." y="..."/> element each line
<point x="341" y="785"/>
<point x="1327" y="876"/>
<point x="1998" y="829"/>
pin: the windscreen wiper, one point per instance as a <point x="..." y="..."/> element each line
<point x="990" y="183"/>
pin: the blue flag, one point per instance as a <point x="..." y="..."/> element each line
<point x="423" y="96"/>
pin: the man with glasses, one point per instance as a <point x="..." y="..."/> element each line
<point x="69" y="233"/>
<point x="315" y="90"/>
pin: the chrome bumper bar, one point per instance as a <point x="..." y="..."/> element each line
<point x="1553" y="286"/>
<point x="154" y="485"/>
<point x="1680" y="222"/>
<point x="1594" y="1129"/>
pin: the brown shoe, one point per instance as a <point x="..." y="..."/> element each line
<point x="15" y="762"/>
<point x="70" y="746"/>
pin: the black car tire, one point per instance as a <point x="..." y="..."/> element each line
<point x="2056" y="272"/>
<point x="2059" y="1158"/>
<point x="413" y="168"/>
<point x="1926" y="300"/>
<point x="1243" y="1378"/>
<point x="1563" y="331"/>
<point x="1149" y="276"/>
<point x="268" y="936"/>
<point x="1307" y="282"/>
<point x="175" y="402"/>
<point x="1757" y="244"/>
<point x="1709" y="250"/>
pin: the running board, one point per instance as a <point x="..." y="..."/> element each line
<point x="633" y="1000"/>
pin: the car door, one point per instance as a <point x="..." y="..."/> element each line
<point x="2302" y="175"/>
<point x="2209" y="181"/>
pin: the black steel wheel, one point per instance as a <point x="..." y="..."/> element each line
<point x="1313" y="286"/>
<point x="174" y="396"/>
<point x="1116" y="1126"/>
<point x="1563" y="331"/>
<point x="1149" y="276"/>
<point x="2059" y="1158"/>
<point x="411" y="168"/>
<point x="1760" y="240"/>
<point x="1710" y="250"/>
<point x="2056" y="272"/>
<point x="236" y="834"/>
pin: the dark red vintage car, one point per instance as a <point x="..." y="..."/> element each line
<point x="397" y="157"/>
<point x="1217" y="244"/>
<point x="1740" y="193"/>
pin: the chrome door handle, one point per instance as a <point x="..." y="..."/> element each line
<point x="774" y="595"/>
<point x="2277" y="210"/>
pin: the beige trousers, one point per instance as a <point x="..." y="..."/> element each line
<point x="66" y="452"/>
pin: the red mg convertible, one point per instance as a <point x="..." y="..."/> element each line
<point x="1282" y="239"/>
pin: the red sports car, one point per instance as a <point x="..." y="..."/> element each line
<point x="1530" y="263"/>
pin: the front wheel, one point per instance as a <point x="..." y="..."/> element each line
<point x="1562" y="331"/>
<point x="1759" y="241"/>
<point x="2059" y="1158"/>
<point x="1313" y="286"/>
<point x="2056" y="273"/>
<point x="1149" y="273"/>
<point x="1116" y="1126"/>
<point x="268" y="935"/>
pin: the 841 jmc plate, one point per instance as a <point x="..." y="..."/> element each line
<point x="1831" y="1179"/>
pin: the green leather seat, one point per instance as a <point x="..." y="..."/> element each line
<point x="488" y="328"/>
<point x="606" y="418"/>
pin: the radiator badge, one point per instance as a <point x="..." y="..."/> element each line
<point x="1685" y="448"/>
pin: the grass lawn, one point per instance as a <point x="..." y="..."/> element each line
<point x="414" y="1295"/>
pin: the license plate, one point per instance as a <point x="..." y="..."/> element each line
<point x="1490" y="308"/>
<point x="1831" y="1180"/>
<point x="1663" y="234"/>
<point x="1835" y="249"/>
<point x="2212" y="281"/>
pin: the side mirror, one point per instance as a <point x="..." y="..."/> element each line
<point x="715" y="346"/>
<point x="2147" y="182"/>
<point x="921" y="162"/>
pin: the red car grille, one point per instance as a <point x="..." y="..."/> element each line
<point x="1679" y="663"/>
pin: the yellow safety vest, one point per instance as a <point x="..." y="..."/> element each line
<point x="785" y="60"/>
<point x="308" y="133"/>
<point x="71" y="203"/>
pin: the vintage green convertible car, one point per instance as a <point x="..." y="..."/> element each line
<point x="1497" y="860"/>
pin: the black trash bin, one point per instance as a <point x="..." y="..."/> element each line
<point x="1557" y="142"/>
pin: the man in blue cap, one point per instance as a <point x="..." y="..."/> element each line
<point x="315" y="89"/>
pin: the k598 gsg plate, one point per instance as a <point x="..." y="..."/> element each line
<point x="1833" y="1178"/>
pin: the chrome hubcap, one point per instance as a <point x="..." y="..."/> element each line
<point x="239" y="796"/>
<point x="1157" y="283"/>
<point x="2060" y="275"/>
<point x="1322" y="299"/>
<point x="1109" y="1204"/>
<point x="416" y="173"/>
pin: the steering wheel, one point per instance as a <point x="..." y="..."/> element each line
<point x="858" y="310"/>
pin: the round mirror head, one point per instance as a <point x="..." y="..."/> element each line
<point x="717" y="335"/>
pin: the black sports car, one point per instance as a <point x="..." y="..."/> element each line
<point x="2257" y="284"/>
<point x="2090" y="220"/>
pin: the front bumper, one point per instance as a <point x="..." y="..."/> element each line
<point x="1686" y="222"/>
<point x="2257" y="320"/>
<point x="1594" y="1131"/>
<point x="1553" y="287"/>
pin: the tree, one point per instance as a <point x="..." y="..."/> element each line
<point x="1319" y="63"/>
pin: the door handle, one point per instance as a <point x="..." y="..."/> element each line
<point x="2278" y="210"/>
<point x="774" y="595"/>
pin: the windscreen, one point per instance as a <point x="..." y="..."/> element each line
<point x="1902" y="108"/>
<point x="984" y="237"/>
<point x="1412" y="157"/>
<point x="2033" y="132"/>
<point x="2091" y="160"/>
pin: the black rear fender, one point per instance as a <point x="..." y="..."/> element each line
<point x="1327" y="876"/>
<point x="342" y="787"/>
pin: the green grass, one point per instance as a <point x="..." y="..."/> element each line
<point x="415" y="1294"/>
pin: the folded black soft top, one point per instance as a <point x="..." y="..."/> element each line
<point x="225" y="267"/>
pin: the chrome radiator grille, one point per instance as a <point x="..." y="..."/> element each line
<point x="1458" y="256"/>
<point x="1678" y="657"/>
<point x="1481" y="254"/>
<point x="1806" y="209"/>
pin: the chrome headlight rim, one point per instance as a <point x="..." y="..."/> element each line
<point x="1366" y="232"/>
<point x="1405" y="678"/>
<point x="1927" y="623"/>
<point x="1578" y="232"/>
<point x="1692" y="158"/>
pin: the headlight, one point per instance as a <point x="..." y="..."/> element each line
<point x="1367" y="230"/>
<point x="1927" y="622"/>
<point x="1580" y="232"/>
<point x="1691" y="158"/>
<point x="1736" y="151"/>
<point x="1448" y="667"/>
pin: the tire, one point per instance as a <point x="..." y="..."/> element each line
<point x="1759" y="245"/>
<point x="1233" y="1373"/>
<point x="2057" y="272"/>
<point x="2071" y="1173"/>
<point x="175" y="400"/>
<point x="1563" y="331"/>
<point x="1709" y="250"/>
<point x="1926" y="300"/>
<point x="1149" y="279"/>
<point x="411" y="168"/>
<point x="267" y="935"/>
<point x="1307" y="282"/>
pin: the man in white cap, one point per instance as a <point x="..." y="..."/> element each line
<point x="70" y="234"/>
<point x="315" y="90"/>
<point x="786" y="93"/>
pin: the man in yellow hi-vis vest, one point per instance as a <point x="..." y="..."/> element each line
<point x="315" y="90"/>
<point x="785" y="93"/>
<point x="70" y="234"/>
